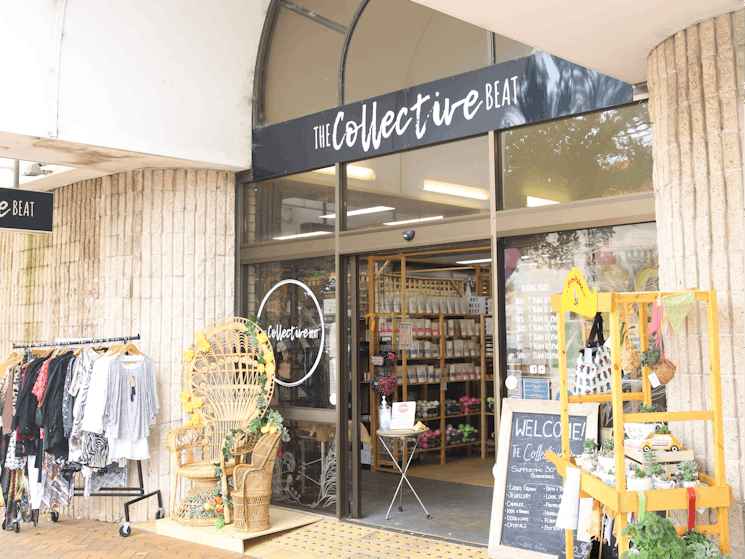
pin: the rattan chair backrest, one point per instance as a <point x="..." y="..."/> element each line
<point x="227" y="379"/>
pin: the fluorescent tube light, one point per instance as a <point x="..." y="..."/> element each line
<point x="371" y="210"/>
<point x="311" y="234"/>
<point x="534" y="202"/>
<point x="407" y="221"/>
<point x="478" y="261"/>
<point x="456" y="190"/>
<point x="353" y="171"/>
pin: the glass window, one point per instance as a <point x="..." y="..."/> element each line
<point x="290" y="207"/>
<point x="400" y="44"/>
<point x="622" y="258"/>
<point x="422" y="185"/>
<point x="302" y="60"/>
<point x="298" y="332"/>
<point x="589" y="156"/>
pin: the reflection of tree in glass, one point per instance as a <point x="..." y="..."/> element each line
<point x="555" y="250"/>
<point x="589" y="156"/>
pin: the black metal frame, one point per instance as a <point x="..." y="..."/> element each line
<point x="137" y="492"/>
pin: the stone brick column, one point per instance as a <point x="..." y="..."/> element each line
<point x="144" y="252"/>
<point x="696" y="81"/>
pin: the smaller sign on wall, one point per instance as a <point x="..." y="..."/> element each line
<point x="26" y="211"/>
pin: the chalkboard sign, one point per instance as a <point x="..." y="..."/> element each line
<point x="527" y="488"/>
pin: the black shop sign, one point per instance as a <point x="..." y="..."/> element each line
<point x="531" y="89"/>
<point x="26" y="211"/>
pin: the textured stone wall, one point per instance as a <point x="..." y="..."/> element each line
<point x="696" y="82"/>
<point x="145" y="252"/>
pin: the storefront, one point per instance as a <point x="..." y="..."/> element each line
<point x="493" y="156"/>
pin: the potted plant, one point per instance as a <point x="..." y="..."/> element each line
<point x="609" y="477"/>
<point x="698" y="545"/>
<point x="662" y="429"/>
<point x="689" y="470"/>
<point x="638" y="481"/>
<point x="658" y="472"/>
<point x="637" y="432"/>
<point x="606" y="457"/>
<point x="654" y="537"/>
<point x="588" y="461"/>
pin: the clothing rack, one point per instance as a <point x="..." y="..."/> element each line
<point x="138" y="491"/>
<point x="79" y="341"/>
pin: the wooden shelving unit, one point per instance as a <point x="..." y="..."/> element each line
<point x="718" y="495"/>
<point x="380" y="283"/>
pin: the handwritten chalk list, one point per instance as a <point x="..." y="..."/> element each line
<point x="533" y="489"/>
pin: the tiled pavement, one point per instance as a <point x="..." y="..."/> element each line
<point x="327" y="539"/>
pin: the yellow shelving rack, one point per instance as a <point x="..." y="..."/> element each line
<point x="718" y="495"/>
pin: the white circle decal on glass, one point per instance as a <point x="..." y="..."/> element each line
<point x="323" y="328"/>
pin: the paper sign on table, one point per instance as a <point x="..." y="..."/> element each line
<point x="403" y="416"/>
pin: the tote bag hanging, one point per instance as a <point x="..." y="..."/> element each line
<point x="593" y="371"/>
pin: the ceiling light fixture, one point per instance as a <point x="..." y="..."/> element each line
<point x="311" y="234"/>
<point x="477" y="261"/>
<point x="353" y="172"/>
<point x="534" y="202"/>
<point x="371" y="210"/>
<point x="456" y="190"/>
<point x="407" y="221"/>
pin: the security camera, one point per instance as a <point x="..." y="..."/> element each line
<point x="408" y="235"/>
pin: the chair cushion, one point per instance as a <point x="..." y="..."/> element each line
<point x="204" y="469"/>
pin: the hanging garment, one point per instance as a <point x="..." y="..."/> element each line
<point x="55" y="441"/>
<point x="132" y="402"/>
<point x="79" y="389"/>
<point x="57" y="486"/>
<point x="27" y="403"/>
<point x="68" y="400"/>
<point x="96" y="396"/>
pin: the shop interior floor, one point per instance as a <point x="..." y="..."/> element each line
<point x="473" y="471"/>
<point x="459" y="511"/>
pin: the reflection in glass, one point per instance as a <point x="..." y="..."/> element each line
<point x="289" y="208"/>
<point x="589" y="156"/>
<point x="418" y="186"/>
<point x="305" y="469"/>
<point x="417" y="46"/>
<point x="622" y="258"/>
<point x="296" y="329"/>
<point x="302" y="60"/>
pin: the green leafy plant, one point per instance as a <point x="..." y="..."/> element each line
<point x="651" y="356"/>
<point x="639" y="473"/>
<point x="698" y="545"/>
<point x="662" y="430"/>
<point x="590" y="446"/>
<point x="606" y="448"/>
<point x="652" y="467"/>
<point x="654" y="538"/>
<point x="689" y="469"/>
<point x="646" y="409"/>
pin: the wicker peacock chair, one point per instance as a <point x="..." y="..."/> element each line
<point x="227" y="379"/>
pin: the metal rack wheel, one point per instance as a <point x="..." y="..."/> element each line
<point x="125" y="531"/>
<point x="16" y="527"/>
<point x="160" y="513"/>
<point x="55" y="516"/>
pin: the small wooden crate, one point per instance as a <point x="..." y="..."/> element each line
<point x="668" y="459"/>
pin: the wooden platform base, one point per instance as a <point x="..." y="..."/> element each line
<point x="227" y="538"/>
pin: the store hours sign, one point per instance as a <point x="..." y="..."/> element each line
<point x="26" y="211"/>
<point x="530" y="89"/>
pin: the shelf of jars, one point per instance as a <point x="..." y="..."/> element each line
<point x="444" y="361"/>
